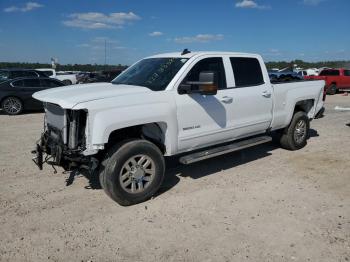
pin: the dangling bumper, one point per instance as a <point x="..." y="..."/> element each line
<point x="52" y="151"/>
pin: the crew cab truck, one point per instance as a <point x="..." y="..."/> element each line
<point x="199" y="105"/>
<point x="336" y="79"/>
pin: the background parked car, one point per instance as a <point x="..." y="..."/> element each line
<point x="308" y="72"/>
<point x="336" y="79"/>
<point x="284" y="76"/>
<point x="66" y="78"/>
<point x="99" y="76"/>
<point x="16" y="94"/>
<point x="111" y="74"/>
<point x="6" y="74"/>
<point x="93" y="77"/>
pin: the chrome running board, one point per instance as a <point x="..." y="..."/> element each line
<point x="221" y="150"/>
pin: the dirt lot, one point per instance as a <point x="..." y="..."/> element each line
<point x="261" y="204"/>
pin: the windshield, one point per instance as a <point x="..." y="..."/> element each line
<point x="153" y="73"/>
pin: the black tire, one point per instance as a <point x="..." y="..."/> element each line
<point x="67" y="82"/>
<point x="114" y="163"/>
<point x="332" y="89"/>
<point x="291" y="138"/>
<point x="12" y="105"/>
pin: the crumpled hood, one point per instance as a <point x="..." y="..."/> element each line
<point x="69" y="96"/>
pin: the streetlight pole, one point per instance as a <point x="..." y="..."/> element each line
<point x="105" y="52"/>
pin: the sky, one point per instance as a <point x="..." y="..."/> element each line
<point x="75" y="32"/>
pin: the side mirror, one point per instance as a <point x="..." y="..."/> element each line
<point x="207" y="85"/>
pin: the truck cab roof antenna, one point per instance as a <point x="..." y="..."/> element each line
<point x="185" y="51"/>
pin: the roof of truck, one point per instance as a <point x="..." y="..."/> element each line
<point x="191" y="54"/>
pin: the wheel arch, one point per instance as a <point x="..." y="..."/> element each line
<point x="154" y="132"/>
<point x="304" y="105"/>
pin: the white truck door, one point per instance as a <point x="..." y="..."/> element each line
<point x="248" y="85"/>
<point x="202" y="119"/>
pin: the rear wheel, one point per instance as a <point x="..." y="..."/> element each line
<point x="332" y="90"/>
<point x="12" y="105"/>
<point x="67" y="82"/>
<point x="295" y="136"/>
<point x="132" y="171"/>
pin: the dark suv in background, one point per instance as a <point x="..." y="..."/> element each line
<point x="6" y="74"/>
<point x="16" y="94"/>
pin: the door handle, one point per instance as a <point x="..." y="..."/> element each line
<point x="227" y="100"/>
<point x="266" y="94"/>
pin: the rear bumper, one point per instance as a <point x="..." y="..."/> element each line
<point x="320" y="113"/>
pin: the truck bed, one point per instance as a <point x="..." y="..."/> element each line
<point x="293" y="81"/>
<point x="287" y="94"/>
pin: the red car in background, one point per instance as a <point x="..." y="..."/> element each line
<point x="336" y="79"/>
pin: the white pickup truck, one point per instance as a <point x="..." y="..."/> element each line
<point x="67" y="79"/>
<point x="199" y="105"/>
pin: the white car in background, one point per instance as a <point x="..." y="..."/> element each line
<point x="308" y="72"/>
<point x="312" y="71"/>
<point x="66" y="78"/>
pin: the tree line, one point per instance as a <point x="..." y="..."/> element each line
<point x="96" y="67"/>
<point x="305" y="65"/>
<point x="59" y="67"/>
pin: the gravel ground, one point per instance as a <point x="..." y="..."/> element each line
<point x="260" y="204"/>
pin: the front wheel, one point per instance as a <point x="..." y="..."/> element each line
<point x="295" y="136"/>
<point x="132" y="171"/>
<point x="12" y="106"/>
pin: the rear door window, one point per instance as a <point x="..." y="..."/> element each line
<point x="330" y="73"/>
<point x="48" y="73"/>
<point x="31" y="82"/>
<point x="50" y="83"/>
<point x="347" y="72"/>
<point x="247" y="71"/>
<point x="30" y="74"/>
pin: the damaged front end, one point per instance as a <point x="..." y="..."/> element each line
<point x="64" y="139"/>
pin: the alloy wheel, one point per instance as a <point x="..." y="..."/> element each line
<point x="12" y="106"/>
<point x="300" y="131"/>
<point x="137" y="174"/>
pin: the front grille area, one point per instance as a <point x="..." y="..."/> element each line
<point x="56" y="121"/>
<point x="55" y="116"/>
<point x="66" y="126"/>
<point x="63" y="141"/>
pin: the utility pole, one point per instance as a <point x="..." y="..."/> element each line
<point x="105" y="52"/>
